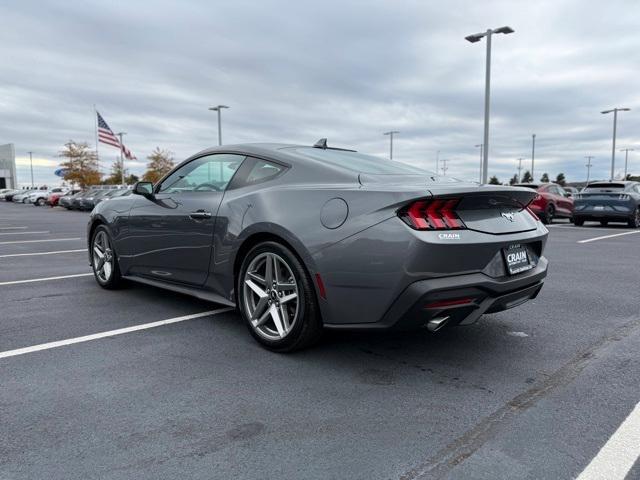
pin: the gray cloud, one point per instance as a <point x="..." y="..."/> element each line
<point x="296" y="71"/>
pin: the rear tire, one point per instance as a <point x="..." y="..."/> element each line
<point x="40" y="202"/>
<point x="604" y="223"/>
<point x="634" y="221"/>
<point x="277" y="299"/>
<point x="549" y="212"/>
<point x="104" y="259"/>
<point x="578" y="222"/>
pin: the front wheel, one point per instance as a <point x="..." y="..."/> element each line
<point x="277" y="300"/>
<point x="578" y="222"/>
<point x="604" y="223"/>
<point x="104" y="260"/>
<point x="40" y="202"/>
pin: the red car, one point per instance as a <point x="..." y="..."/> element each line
<point x="551" y="202"/>
<point x="53" y="198"/>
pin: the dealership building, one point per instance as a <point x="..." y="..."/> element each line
<point x="8" y="178"/>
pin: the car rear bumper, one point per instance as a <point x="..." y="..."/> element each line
<point x="617" y="213"/>
<point x="460" y="299"/>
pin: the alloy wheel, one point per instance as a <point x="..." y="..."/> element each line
<point x="271" y="296"/>
<point x="102" y="256"/>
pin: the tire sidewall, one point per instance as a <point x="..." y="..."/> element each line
<point x="306" y="294"/>
<point x="115" y="273"/>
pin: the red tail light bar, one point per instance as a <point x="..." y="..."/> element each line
<point x="435" y="214"/>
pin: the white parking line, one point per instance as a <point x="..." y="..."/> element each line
<point x="42" y="253"/>
<point x="595" y="239"/>
<point x="585" y="229"/>
<point x="619" y="454"/>
<point x="110" y="333"/>
<point x="23" y="233"/>
<point x="32" y="280"/>
<point x="13" y="228"/>
<point x="38" y="241"/>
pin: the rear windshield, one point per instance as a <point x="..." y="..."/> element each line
<point x="604" y="187"/>
<point x="361" y="163"/>
<point x="527" y="185"/>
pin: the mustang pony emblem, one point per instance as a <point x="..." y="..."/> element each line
<point x="508" y="216"/>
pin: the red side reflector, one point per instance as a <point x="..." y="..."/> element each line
<point x="321" y="290"/>
<point x="449" y="303"/>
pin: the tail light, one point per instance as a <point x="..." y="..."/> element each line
<point x="436" y="214"/>
<point x="623" y="196"/>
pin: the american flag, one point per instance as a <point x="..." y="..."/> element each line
<point x="106" y="135"/>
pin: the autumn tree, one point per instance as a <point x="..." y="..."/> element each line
<point x="160" y="163"/>
<point x="80" y="164"/>
<point x="561" y="180"/>
<point x="115" y="177"/>
<point x="494" y="181"/>
<point x="545" y="178"/>
<point x="527" y="178"/>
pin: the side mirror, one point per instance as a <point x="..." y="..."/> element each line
<point x="143" y="188"/>
<point x="567" y="194"/>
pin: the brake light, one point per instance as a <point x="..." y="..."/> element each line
<point x="436" y="214"/>
<point x="533" y="214"/>
<point x="454" y="302"/>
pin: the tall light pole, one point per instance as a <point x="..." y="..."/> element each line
<point x="533" y="154"/>
<point x="615" y="123"/>
<point x="626" y="159"/>
<point x="444" y="166"/>
<point x="487" y="89"/>
<point x="121" y="134"/>
<point x="391" y="133"/>
<point x="481" y="149"/>
<point x="437" y="160"/>
<point x="31" y="163"/>
<point x="588" y="165"/>
<point x="218" y="109"/>
<point x="520" y="169"/>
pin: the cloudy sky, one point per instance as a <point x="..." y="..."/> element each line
<point x="295" y="71"/>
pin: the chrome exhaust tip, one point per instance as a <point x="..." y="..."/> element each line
<point x="437" y="323"/>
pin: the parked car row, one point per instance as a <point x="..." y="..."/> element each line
<point x="72" y="199"/>
<point x="602" y="202"/>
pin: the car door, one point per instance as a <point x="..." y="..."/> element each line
<point x="171" y="233"/>
<point x="565" y="203"/>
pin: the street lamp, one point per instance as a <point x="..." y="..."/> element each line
<point x="391" y="133"/>
<point x="615" y="122"/>
<point x="480" y="145"/>
<point x="218" y="109"/>
<point x="520" y="169"/>
<point x="487" y="87"/>
<point x="31" y="162"/>
<point x="626" y="159"/>
<point x="588" y="165"/>
<point x="533" y="153"/>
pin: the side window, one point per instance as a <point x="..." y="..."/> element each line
<point x="210" y="173"/>
<point x="263" y="171"/>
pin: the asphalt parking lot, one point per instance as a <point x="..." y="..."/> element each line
<point x="534" y="392"/>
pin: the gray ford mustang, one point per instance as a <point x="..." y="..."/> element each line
<point x="302" y="238"/>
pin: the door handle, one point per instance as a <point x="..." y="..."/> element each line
<point x="200" y="215"/>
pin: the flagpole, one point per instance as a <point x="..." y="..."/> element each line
<point x="120" y="134"/>
<point x="95" y="119"/>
